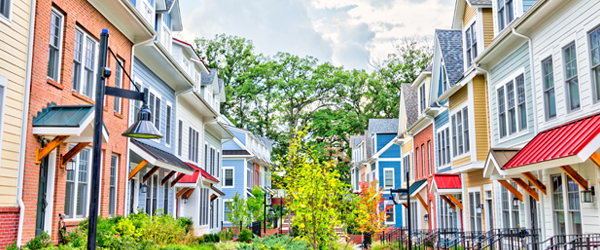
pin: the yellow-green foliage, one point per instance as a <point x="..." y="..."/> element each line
<point x="316" y="191"/>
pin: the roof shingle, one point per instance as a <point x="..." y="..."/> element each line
<point x="451" y="45"/>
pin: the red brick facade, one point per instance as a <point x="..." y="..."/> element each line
<point x="423" y="141"/>
<point x="9" y="225"/>
<point x="77" y="13"/>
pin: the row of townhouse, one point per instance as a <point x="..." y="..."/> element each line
<point x="48" y="78"/>
<point x="502" y="129"/>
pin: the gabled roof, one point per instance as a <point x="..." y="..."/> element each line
<point x="451" y="45"/>
<point x="209" y="78"/>
<point x="378" y="126"/>
<point x="503" y="155"/>
<point x="193" y="178"/>
<point x="410" y="104"/>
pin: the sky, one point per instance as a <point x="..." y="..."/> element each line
<point x="349" y="33"/>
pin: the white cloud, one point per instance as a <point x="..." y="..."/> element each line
<point x="344" y="32"/>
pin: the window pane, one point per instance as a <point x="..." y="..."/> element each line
<point x="465" y="113"/>
<point x="157" y="114"/>
<point x="520" y="81"/>
<point x="90" y="62"/>
<point x="54" y="45"/>
<point x="512" y="118"/>
<point x="168" y="126"/>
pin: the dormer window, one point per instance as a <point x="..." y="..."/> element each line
<point x="422" y="98"/>
<point x="505" y="13"/>
<point x="471" y="42"/>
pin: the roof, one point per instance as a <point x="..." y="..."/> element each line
<point x="450" y="42"/>
<point x="417" y="186"/>
<point x="161" y="155"/>
<point x="217" y="190"/>
<point x="208" y="78"/>
<point x="480" y="2"/>
<point x="356" y="139"/>
<point x="447" y="181"/>
<point x="197" y="172"/>
<point x="62" y="116"/>
<point x="559" y="142"/>
<point x="410" y="104"/>
<point x="379" y="126"/>
<point x="503" y="155"/>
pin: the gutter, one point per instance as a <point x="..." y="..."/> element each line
<point x="514" y="31"/>
<point x="24" y="122"/>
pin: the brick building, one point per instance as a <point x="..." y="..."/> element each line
<point x="60" y="121"/>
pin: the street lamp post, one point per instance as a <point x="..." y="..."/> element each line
<point x="142" y="128"/>
<point x="265" y="213"/>
<point x="394" y="196"/>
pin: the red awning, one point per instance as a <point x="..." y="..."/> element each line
<point x="446" y="183"/>
<point x="193" y="178"/>
<point x="569" y="143"/>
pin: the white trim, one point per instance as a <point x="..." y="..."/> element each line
<point x="49" y="213"/>
<point x="464" y="30"/>
<point x="3" y="84"/>
<point x="393" y="208"/>
<point x="167" y="121"/>
<point x="7" y="19"/>
<point x="84" y="43"/>
<point x="393" y="178"/>
<point x="116" y="183"/>
<point x="512" y="78"/>
<point x="386" y="147"/>
<point x="60" y="42"/>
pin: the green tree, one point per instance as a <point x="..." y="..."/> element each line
<point x="238" y="211"/>
<point x="318" y="195"/>
<point x="256" y="204"/>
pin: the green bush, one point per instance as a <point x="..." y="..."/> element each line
<point x="186" y="223"/>
<point x="245" y="235"/>
<point x="228" y="245"/>
<point x="39" y="242"/>
<point x="226" y="234"/>
<point x="274" y="243"/>
<point x="12" y="246"/>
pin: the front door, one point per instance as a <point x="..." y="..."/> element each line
<point x="42" y="202"/>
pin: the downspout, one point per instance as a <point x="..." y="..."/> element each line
<point x="24" y="121"/>
<point x="514" y="31"/>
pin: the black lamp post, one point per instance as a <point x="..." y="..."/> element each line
<point x="142" y="128"/>
<point x="265" y="213"/>
<point x="394" y="196"/>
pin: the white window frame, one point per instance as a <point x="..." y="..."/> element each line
<point x="150" y="193"/>
<point x="444" y="76"/>
<point x="116" y="184"/>
<point x="545" y="99"/>
<point x="566" y="210"/>
<point x="510" y="208"/>
<point x="191" y="155"/>
<point x="224" y="208"/>
<point x="471" y="26"/>
<point x="473" y="209"/>
<point x="82" y="77"/>
<point x="385" y="179"/>
<point x="460" y="109"/>
<point x="519" y="131"/>
<point x="422" y="98"/>
<point x="212" y="154"/>
<point x="180" y="127"/>
<point x="167" y="36"/>
<point x="225" y="177"/>
<point x="3" y="84"/>
<point x="76" y="183"/>
<point x="249" y="179"/>
<point x="7" y="19"/>
<point x="60" y="47"/>
<point x="118" y="102"/>
<point x="566" y="80"/>
<point x="168" y="124"/>
<point x="444" y="131"/>
<point x="393" y="222"/>
<point x="154" y="108"/>
<point x="594" y="67"/>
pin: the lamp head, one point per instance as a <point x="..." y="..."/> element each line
<point x="143" y="128"/>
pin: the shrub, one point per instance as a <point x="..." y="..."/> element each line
<point x="186" y="223"/>
<point x="228" y="245"/>
<point x="245" y="235"/>
<point x="274" y="242"/>
<point x="12" y="246"/>
<point x="226" y="234"/>
<point x="39" y="242"/>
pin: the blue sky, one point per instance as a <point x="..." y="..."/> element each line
<point x="349" y="33"/>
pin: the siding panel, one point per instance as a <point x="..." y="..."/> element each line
<point x="481" y="118"/>
<point x="488" y="26"/>
<point x="459" y="97"/>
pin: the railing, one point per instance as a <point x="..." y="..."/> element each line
<point x="575" y="241"/>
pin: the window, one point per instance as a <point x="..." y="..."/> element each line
<point x="228" y="173"/>
<point x="5" y="8"/>
<point x="212" y="161"/>
<point x="521" y="109"/>
<point x="168" y="126"/>
<point x="155" y="109"/>
<point x="180" y="138"/>
<point x="388" y="175"/>
<point x="548" y="79"/>
<point x="152" y="195"/>
<point x="205" y="157"/>
<point x="227" y="210"/>
<point x="512" y="113"/>
<point x="118" y="84"/>
<point x="166" y="196"/>
<point x="56" y="29"/>
<point x="572" y="82"/>
<point x="505" y="13"/>
<point x="573" y="208"/>
<point x="135" y="105"/>
<point x="460" y="132"/>
<point x="112" y="193"/>
<point x="414" y="217"/>
<point x="558" y="207"/>
<point x="429" y="157"/>
<point x="594" y="41"/>
<point x="511" y="110"/>
<point x="510" y="214"/>
<point x="501" y="112"/>
<point x="193" y="145"/>
<point x="444" y="76"/>
<point x="422" y="168"/>
<point x="218" y="163"/>
<point x="416" y="162"/>
<point x="471" y="42"/>
<point x="443" y="141"/>
<point x="389" y="215"/>
<point x="84" y="64"/>
<point x="406" y="165"/>
<point x="447" y="219"/>
<point x="422" y="98"/>
<point x="474" y="215"/>
<point x="77" y="184"/>
<point x="212" y="210"/>
<point x="249" y="178"/>
<point x="204" y="200"/>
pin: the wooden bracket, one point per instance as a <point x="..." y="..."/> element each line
<point x="575" y="176"/>
<point x="72" y="153"/>
<point x="405" y="205"/>
<point x="456" y="201"/>
<point x="188" y="193"/>
<point x="448" y="201"/>
<point x="164" y="180"/>
<point x="511" y="189"/>
<point x="147" y="175"/>
<point x="43" y="152"/>
<point x="422" y="202"/>
<point x="537" y="183"/>
<point x="527" y="188"/>
<point x="595" y="157"/>
<point x="137" y="169"/>
<point x="181" y="192"/>
<point x="177" y="179"/>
